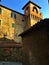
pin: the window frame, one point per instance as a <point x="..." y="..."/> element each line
<point x="13" y="25"/>
<point x="0" y="10"/>
<point x="13" y="15"/>
<point x="0" y="22"/>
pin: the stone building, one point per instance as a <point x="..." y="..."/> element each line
<point x="12" y="23"/>
<point x="10" y="50"/>
<point x="36" y="44"/>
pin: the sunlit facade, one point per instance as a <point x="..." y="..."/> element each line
<point x="32" y="14"/>
<point x="13" y="23"/>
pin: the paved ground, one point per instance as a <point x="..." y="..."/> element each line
<point x="10" y="63"/>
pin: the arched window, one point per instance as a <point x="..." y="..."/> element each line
<point x="35" y="9"/>
<point x="27" y="8"/>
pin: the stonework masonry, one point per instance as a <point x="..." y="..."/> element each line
<point x="36" y="44"/>
<point x="7" y="21"/>
<point x="12" y="23"/>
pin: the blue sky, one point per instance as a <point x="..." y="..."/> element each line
<point x="18" y="4"/>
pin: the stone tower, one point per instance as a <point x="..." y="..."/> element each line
<point x="32" y="14"/>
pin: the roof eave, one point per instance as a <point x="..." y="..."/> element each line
<point x="11" y="9"/>
<point x="32" y="3"/>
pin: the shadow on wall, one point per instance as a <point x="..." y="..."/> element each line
<point x="36" y="44"/>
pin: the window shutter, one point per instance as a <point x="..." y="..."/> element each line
<point x="15" y="16"/>
<point x="0" y="10"/>
<point x="0" y="22"/>
<point x="13" y="25"/>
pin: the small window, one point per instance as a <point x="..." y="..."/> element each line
<point x="0" y="22"/>
<point x="13" y="15"/>
<point x="23" y="20"/>
<point x="13" y="25"/>
<point x="0" y="10"/>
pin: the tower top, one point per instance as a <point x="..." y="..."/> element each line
<point x="32" y="3"/>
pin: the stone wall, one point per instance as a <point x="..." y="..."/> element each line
<point x="6" y="24"/>
<point x="36" y="48"/>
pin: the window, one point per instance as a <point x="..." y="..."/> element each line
<point x="35" y="9"/>
<point x="0" y="22"/>
<point x="13" y="15"/>
<point x="27" y="8"/>
<point x="13" y="25"/>
<point x="23" y="20"/>
<point x="0" y="10"/>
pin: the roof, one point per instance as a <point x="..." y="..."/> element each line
<point x="11" y="9"/>
<point x="38" y="26"/>
<point x="32" y="3"/>
<point x="4" y="42"/>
